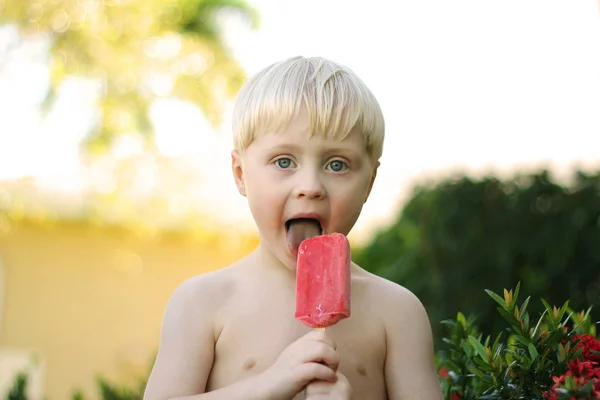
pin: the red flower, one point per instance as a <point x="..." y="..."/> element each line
<point x="443" y="372"/>
<point x="588" y="343"/>
<point x="584" y="369"/>
<point x="581" y="370"/>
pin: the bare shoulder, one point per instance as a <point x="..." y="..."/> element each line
<point x="401" y="311"/>
<point x="194" y="308"/>
<point x="189" y="330"/>
<point x="203" y="292"/>
<point x="409" y="365"/>
<point x="395" y="302"/>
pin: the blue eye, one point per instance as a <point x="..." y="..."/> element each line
<point x="337" y="166"/>
<point x="284" y="163"/>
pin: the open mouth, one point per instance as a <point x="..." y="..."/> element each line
<point x="304" y="221"/>
<point x="300" y="229"/>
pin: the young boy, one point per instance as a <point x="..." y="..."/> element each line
<point x="308" y="135"/>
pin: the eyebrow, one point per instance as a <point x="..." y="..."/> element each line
<point x="342" y="150"/>
<point x="283" y="147"/>
<point x="327" y="151"/>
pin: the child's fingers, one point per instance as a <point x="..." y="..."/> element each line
<point x="318" y="387"/>
<point x="319" y="396"/>
<point x="321" y="353"/>
<point x="312" y="371"/>
<point x="340" y="389"/>
<point x="320" y="336"/>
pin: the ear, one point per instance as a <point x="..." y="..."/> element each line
<point x="373" y="176"/>
<point x="238" y="172"/>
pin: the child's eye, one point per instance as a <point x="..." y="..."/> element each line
<point x="337" y="166"/>
<point x="284" y="163"/>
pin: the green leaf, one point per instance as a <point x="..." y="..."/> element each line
<point x="482" y="365"/>
<point x="461" y="319"/>
<point x="475" y="371"/>
<point x="566" y="320"/>
<point x="465" y="347"/>
<point x="547" y="305"/>
<point x="493" y="396"/>
<point x="562" y="353"/>
<point x="562" y="310"/>
<point x="550" y="313"/>
<point x="532" y="351"/>
<point x="479" y="348"/>
<point x="497" y="339"/>
<point x="522" y="340"/>
<point x="497" y="298"/>
<point x="587" y="388"/>
<point x="497" y="351"/>
<point x="510" y="318"/>
<point x="533" y="335"/>
<point x="524" y="306"/>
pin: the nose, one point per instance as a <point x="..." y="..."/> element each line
<point x="309" y="186"/>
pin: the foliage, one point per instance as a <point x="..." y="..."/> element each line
<point x="453" y="239"/>
<point x="139" y="50"/>
<point x="555" y="356"/>
<point x="106" y="390"/>
<point x="112" y="391"/>
<point x="18" y="390"/>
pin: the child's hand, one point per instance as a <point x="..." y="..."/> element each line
<point x="312" y="357"/>
<point x="338" y="390"/>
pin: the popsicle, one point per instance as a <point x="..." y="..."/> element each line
<point x="323" y="280"/>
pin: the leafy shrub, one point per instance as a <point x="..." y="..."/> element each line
<point x="457" y="236"/>
<point x="555" y="356"/>
<point x="18" y="390"/>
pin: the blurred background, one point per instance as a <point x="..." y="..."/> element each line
<point x="114" y="162"/>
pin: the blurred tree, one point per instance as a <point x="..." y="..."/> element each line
<point x="139" y="50"/>
<point x="453" y="240"/>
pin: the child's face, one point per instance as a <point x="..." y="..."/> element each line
<point x="287" y="173"/>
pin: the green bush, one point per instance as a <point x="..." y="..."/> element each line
<point x="459" y="236"/>
<point x="18" y="390"/>
<point x="111" y="391"/>
<point x="106" y="390"/>
<point x="555" y="356"/>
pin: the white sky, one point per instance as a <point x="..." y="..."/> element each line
<point x="465" y="85"/>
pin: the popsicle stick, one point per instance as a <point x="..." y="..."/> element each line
<point x="321" y="329"/>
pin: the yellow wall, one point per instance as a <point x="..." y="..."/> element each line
<point x="90" y="300"/>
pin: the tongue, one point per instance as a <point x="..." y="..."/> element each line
<point x="300" y="230"/>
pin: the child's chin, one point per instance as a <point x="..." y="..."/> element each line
<point x="292" y="268"/>
<point x="291" y="260"/>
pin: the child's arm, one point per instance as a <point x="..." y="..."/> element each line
<point x="186" y="348"/>
<point x="186" y="353"/>
<point x="409" y="365"/>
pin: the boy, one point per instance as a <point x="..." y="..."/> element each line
<point x="308" y="135"/>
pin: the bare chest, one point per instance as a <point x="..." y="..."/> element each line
<point x="252" y="341"/>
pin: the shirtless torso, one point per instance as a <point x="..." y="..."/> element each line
<point x="257" y="324"/>
<point x="226" y="326"/>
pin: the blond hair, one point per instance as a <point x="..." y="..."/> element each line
<point x="336" y="99"/>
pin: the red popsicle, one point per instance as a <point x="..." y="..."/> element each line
<point x="323" y="280"/>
